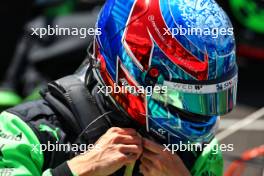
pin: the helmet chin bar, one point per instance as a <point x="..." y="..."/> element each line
<point x="183" y="131"/>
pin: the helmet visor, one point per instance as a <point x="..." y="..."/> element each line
<point x="209" y="100"/>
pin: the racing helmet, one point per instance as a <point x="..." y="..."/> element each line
<point x="171" y="65"/>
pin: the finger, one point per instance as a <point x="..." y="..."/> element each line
<point x="125" y="159"/>
<point x="144" y="170"/>
<point x="150" y="155"/>
<point x="131" y="159"/>
<point x="151" y="146"/>
<point x="125" y="131"/>
<point x="128" y="139"/>
<point x="146" y="162"/>
<point x="130" y="149"/>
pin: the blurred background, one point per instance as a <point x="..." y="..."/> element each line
<point x="244" y="127"/>
<point x="28" y="62"/>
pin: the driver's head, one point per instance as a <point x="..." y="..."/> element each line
<point x="175" y="61"/>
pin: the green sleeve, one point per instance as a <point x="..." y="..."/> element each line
<point x="210" y="162"/>
<point x="17" y="154"/>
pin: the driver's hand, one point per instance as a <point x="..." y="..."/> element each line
<point x="157" y="162"/>
<point x="116" y="148"/>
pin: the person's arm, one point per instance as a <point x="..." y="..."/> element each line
<point x="210" y="162"/>
<point x="115" y="149"/>
<point x="17" y="153"/>
<point x="20" y="152"/>
<point x="157" y="162"/>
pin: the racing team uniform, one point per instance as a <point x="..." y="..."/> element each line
<point x="25" y="127"/>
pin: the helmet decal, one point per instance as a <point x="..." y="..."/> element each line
<point x="134" y="105"/>
<point x="152" y="27"/>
